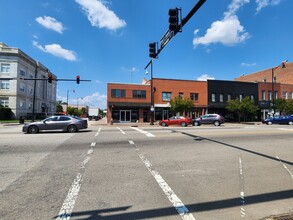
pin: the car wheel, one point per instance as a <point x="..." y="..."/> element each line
<point x="217" y="123"/>
<point x="183" y="124"/>
<point x="72" y="129"/>
<point x="33" y="129"/>
<point x="195" y="123"/>
<point x="270" y="123"/>
<point x="290" y="123"/>
<point x="164" y="124"/>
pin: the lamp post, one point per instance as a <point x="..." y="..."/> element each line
<point x="283" y="65"/>
<point x="67" y="99"/>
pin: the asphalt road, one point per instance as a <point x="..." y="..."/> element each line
<point x="147" y="172"/>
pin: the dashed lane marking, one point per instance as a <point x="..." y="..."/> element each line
<point x="148" y="134"/>
<point x="69" y="202"/>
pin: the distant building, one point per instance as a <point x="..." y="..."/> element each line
<point x="18" y="89"/>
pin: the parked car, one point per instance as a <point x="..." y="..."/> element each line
<point x="58" y="122"/>
<point x="215" y="119"/>
<point x="176" y="120"/>
<point x="285" y="119"/>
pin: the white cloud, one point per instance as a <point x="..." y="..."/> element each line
<point x="264" y="3"/>
<point x="57" y="50"/>
<point x="100" y="16"/>
<point x="248" y="64"/>
<point x="95" y="100"/>
<point x="51" y="23"/>
<point x="227" y="31"/>
<point x="204" y="77"/>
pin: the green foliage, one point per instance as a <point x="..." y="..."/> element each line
<point x="178" y="104"/>
<point x="280" y="104"/>
<point x="244" y="108"/>
<point x="73" y="111"/>
<point x="5" y="113"/>
<point x="59" y="107"/>
<point x="289" y="106"/>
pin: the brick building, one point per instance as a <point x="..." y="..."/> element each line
<point x="132" y="102"/>
<point x="281" y="75"/>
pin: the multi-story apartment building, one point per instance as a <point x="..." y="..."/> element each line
<point x="18" y="88"/>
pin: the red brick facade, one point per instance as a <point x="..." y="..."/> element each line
<point x="139" y="108"/>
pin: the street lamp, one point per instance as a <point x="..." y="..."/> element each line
<point x="283" y="65"/>
<point x="67" y="99"/>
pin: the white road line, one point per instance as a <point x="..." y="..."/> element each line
<point x="286" y="168"/>
<point x="148" y="134"/>
<point x="242" y="195"/>
<point x="69" y="202"/>
<point x="120" y="130"/>
<point x="173" y="198"/>
<point x="131" y="142"/>
<point x="98" y="132"/>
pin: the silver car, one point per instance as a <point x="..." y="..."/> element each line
<point x="59" y="122"/>
<point x="215" y="119"/>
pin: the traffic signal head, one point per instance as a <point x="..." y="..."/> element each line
<point x="77" y="79"/>
<point x="173" y="19"/>
<point x="152" y="50"/>
<point x="50" y="78"/>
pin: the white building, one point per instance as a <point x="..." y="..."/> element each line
<point x="18" y="89"/>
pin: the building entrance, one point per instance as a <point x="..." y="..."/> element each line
<point x="125" y="115"/>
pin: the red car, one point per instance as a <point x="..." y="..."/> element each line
<point x="176" y="120"/>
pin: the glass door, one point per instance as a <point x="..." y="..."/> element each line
<point x="125" y="115"/>
<point x="165" y="114"/>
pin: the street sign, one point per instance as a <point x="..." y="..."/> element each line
<point x="166" y="38"/>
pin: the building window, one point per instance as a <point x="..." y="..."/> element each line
<point x="240" y="97"/>
<point x="291" y="95"/>
<point x="270" y="95"/>
<point x="194" y="96"/>
<point x="22" y="104"/>
<point x="5" y="84"/>
<point x="141" y="94"/>
<point x="181" y="94"/>
<point x="213" y="97"/>
<point x="5" y="68"/>
<point x="166" y="96"/>
<point x="118" y="93"/>
<point x="263" y="95"/>
<point x="221" y="97"/>
<point x="229" y="97"/>
<point x="276" y="94"/>
<point x="285" y="95"/>
<point x="22" y="73"/>
<point x="22" y="88"/>
<point x="252" y="97"/>
<point x="4" y="102"/>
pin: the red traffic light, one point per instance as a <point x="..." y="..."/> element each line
<point x="77" y="79"/>
<point x="50" y="78"/>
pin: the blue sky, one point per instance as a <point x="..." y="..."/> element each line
<point x="108" y="40"/>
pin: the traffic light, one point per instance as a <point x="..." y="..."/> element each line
<point x="77" y="79"/>
<point x="152" y="50"/>
<point x="50" y="78"/>
<point x="173" y="19"/>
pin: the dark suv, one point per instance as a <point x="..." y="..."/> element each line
<point x="215" y="119"/>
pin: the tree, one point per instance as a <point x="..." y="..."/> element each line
<point x="59" y="107"/>
<point x="73" y="111"/>
<point x="289" y="106"/>
<point x="280" y="104"/>
<point x="243" y="108"/>
<point x="178" y="104"/>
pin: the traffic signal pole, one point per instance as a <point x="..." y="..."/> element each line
<point x="174" y="28"/>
